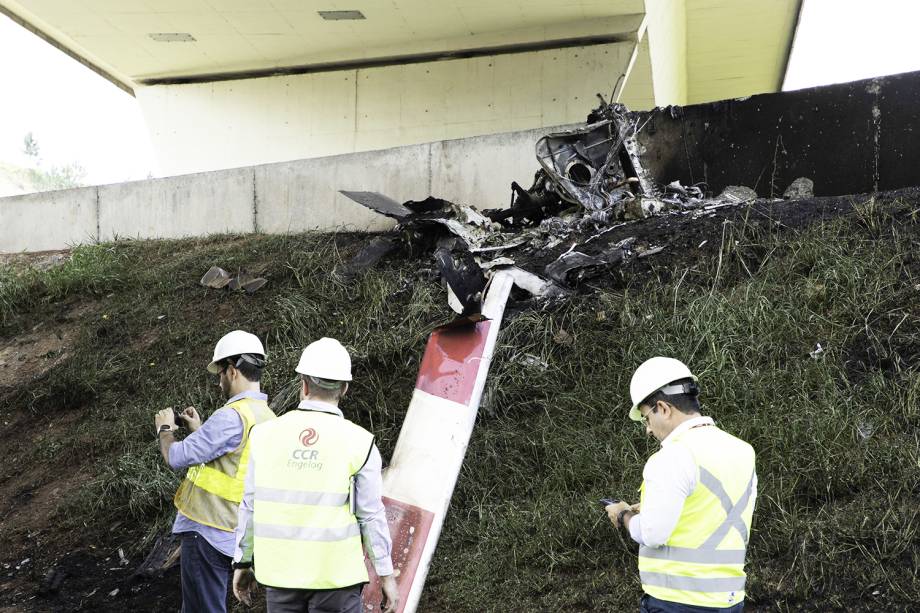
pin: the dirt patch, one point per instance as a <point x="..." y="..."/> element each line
<point x="27" y="357"/>
<point x="39" y="260"/>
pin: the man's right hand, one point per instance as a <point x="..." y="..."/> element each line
<point x="244" y="580"/>
<point x="191" y="418"/>
<point x="390" y="594"/>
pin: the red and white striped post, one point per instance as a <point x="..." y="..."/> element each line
<point x="420" y="479"/>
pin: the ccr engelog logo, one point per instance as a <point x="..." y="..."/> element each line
<point x="306" y="459"/>
<point x="309" y="437"/>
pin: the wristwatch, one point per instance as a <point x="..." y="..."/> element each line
<point x="165" y="428"/>
<point x="240" y="565"/>
<point x="620" y="517"/>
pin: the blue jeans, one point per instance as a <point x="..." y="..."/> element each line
<point x="650" y="604"/>
<point x="205" y="576"/>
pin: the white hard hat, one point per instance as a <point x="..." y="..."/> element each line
<point x="234" y="343"/>
<point x="651" y="376"/>
<point x="326" y="359"/>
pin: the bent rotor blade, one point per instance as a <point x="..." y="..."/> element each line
<point x="420" y="480"/>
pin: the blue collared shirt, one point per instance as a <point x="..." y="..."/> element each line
<point x="218" y="435"/>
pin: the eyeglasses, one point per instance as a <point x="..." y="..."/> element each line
<point x="644" y="419"/>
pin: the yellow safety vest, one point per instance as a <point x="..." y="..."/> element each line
<point x="305" y="533"/>
<point x="211" y="493"/>
<point x="702" y="563"/>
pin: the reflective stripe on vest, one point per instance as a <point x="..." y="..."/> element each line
<point x="300" y="533"/>
<point x="305" y="533"/>
<point x="211" y="493"/>
<point x="702" y="563"/>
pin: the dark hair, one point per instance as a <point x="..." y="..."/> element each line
<point x="686" y="403"/>
<point x="248" y="364"/>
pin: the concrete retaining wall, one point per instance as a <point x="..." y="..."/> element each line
<point x="849" y="138"/>
<point x="173" y="207"/>
<point x="49" y="220"/>
<point x="274" y="198"/>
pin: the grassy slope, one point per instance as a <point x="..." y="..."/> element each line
<point x="837" y="437"/>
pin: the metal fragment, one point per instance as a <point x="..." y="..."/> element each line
<point x="370" y="255"/>
<point x="378" y="202"/>
<point x="215" y="278"/>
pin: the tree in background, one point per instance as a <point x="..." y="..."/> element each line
<point x="30" y="146"/>
<point x="54" y="176"/>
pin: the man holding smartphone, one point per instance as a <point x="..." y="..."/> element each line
<point x="693" y="520"/>
<point x="215" y="454"/>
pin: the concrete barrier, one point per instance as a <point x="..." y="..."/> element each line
<point x="304" y="195"/>
<point x="174" y="207"/>
<point x="277" y="198"/>
<point x="49" y="220"/>
<point x="479" y="171"/>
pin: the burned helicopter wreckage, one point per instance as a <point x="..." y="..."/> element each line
<point x="590" y="181"/>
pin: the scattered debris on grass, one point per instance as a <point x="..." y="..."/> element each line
<point x="218" y="278"/>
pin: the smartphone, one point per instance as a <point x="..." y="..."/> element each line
<point x="606" y="502"/>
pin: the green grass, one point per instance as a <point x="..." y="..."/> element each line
<point x="838" y="437"/>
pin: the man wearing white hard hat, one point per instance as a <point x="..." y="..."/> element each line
<point x="693" y="520"/>
<point x="312" y="499"/>
<point x="216" y="454"/>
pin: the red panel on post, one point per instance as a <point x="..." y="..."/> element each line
<point x="451" y="362"/>
<point x="409" y="527"/>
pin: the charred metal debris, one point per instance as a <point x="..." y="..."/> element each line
<point x="590" y="181"/>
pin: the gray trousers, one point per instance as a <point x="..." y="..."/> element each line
<point x="345" y="600"/>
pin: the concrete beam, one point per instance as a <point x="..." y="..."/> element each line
<point x="666" y="34"/>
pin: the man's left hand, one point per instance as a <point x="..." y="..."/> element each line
<point x="164" y="417"/>
<point x="613" y="510"/>
<point x="244" y="581"/>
